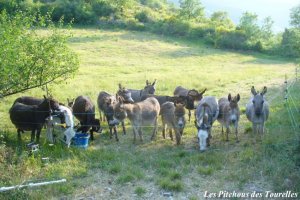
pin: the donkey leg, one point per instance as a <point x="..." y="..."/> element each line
<point x="190" y="115"/>
<point x="178" y="136"/>
<point x="134" y="130"/>
<point x="38" y="133"/>
<point x="116" y="133"/>
<point x="140" y="134"/>
<point x="32" y="135"/>
<point x="110" y="132"/>
<point x="170" y="133"/>
<point x="236" y="132"/>
<point x="227" y="133"/>
<point x="154" y="130"/>
<point x="164" y="131"/>
<point x="124" y="129"/>
<point x="19" y="131"/>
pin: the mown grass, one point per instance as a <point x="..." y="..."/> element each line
<point x="112" y="57"/>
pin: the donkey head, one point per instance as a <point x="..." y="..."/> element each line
<point x="149" y="88"/>
<point x="126" y="94"/>
<point x="179" y="116"/>
<point x="204" y="124"/>
<point x="51" y="103"/>
<point x="197" y="96"/>
<point x="119" y="111"/>
<point x="258" y="100"/>
<point x="233" y="109"/>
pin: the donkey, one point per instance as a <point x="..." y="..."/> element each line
<point x="229" y="113"/>
<point x="257" y="110"/>
<point x="142" y="113"/>
<point x="106" y="103"/>
<point x="32" y="117"/>
<point x="84" y="111"/>
<point x="193" y="95"/>
<point x="206" y="114"/>
<point x="172" y="115"/>
<point x="148" y="89"/>
<point x="105" y="97"/>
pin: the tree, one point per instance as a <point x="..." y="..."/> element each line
<point x="221" y="18"/>
<point x="191" y="10"/>
<point x="266" y="29"/>
<point x="290" y="44"/>
<point x="29" y="59"/>
<point x="295" y="16"/>
<point x="248" y="23"/>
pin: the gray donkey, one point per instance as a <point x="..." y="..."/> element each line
<point x="257" y="110"/>
<point x="142" y="113"/>
<point x="229" y="113"/>
<point x="206" y="114"/>
<point x="148" y="89"/>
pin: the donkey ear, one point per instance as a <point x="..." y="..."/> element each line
<point x="203" y="91"/>
<point x="229" y="97"/>
<point x="238" y="97"/>
<point x="45" y="97"/>
<point x="253" y="91"/>
<point x="120" y="86"/>
<point x="147" y="82"/>
<point x="154" y="82"/>
<point x="264" y="91"/>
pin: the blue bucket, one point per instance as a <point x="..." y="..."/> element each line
<point x="81" y="140"/>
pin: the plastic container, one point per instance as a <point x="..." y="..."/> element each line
<point x="81" y="140"/>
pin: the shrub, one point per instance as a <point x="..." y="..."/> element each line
<point x="102" y="8"/>
<point x="234" y="40"/>
<point x="176" y="27"/>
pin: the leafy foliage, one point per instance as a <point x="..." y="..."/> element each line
<point x="29" y="59"/>
<point x="295" y="16"/>
<point x="191" y="10"/>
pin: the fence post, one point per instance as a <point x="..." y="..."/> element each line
<point x="286" y="89"/>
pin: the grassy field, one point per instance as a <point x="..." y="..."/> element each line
<point x="111" y="170"/>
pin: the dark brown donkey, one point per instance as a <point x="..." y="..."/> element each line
<point x="32" y="117"/>
<point x="193" y="94"/>
<point x="84" y="111"/>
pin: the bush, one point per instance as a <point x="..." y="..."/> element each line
<point x="144" y="16"/>
<point x="132" y="24"/>
<point x="234" y="40"/>
<point x="74" y="10"/>
<point x="102" y="8"/>
<point x="175" y="27"/>
<point x="201" y="32"/>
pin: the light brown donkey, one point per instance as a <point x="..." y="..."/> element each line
<point x="172" y="115"/>
<point x="140" y="114"/>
